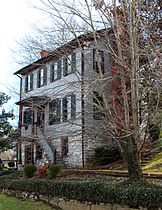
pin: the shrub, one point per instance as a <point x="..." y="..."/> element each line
<point x="159" y="143"/>
<point x="42" y="172"/>
<point x="11" y="164"/>
<point x="105" y="155"/>
<point x="154" y="131"/>
<point x="55" y="170"/>
<point x="29" y="170"/>
<point x="94" y="190"/>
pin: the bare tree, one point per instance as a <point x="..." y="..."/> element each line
<point x="118" y="107"/>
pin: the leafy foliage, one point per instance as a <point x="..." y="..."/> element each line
<point x="94" y="190"/>
<point x="42" y="172"/>
<point x="30" y="170"/>
<point x="7" y="134"/>
<point x="154" y="131"/>
<point x="105" y="155"/>
<point x="55" y="170"/>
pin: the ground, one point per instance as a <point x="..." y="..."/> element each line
<point x="8" y="203"/>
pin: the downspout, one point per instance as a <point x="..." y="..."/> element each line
<point x="82" y="99"/>
<point x="19" y="152"/>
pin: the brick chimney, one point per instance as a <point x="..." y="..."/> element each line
<point x="44" y="53"/>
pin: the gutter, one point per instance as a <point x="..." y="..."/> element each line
<point x="82" y="102"/>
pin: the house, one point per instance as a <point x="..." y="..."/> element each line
<point x="57" y="104"/>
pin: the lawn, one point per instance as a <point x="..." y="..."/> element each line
<point x="8" y="203"/>
<point x="155" y="165"/>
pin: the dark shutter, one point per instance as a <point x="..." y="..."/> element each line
<point x="38" y="79"/>
<point x="45" y="76"/>
<point x="102" y="64"/>
<point x="25" y="117"/>
<point x="59" y="69"/>
<point x="73" y="62"/>
<point x="73" y="106"/>
<point x="51" y="72"/>
<point x="65" y="66"/>
<point x="26" y="84"/>
<point x="65" y="146"/>
<point x="58" y="111"/>
<point x="31" y="82"/>
<point x="50" y="113"/>
<point x="29" y="117"/>
<point x="64" y="109"/>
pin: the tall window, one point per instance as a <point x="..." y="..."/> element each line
<point x="39" y="152"/>
<point x="98" y="106"/>
<point x="40" y="116"/>
<point x="69" y="64"/>
<point x="28" y="83"/>
<point x="27" y="118"/>
<point x="55" y="71"/>
<point x="65" y="149"/>
<point x="54" y="112"/>
<point x="42" y="77"/>
<point x="69" y="107"/>
<point x="98" y="61"/>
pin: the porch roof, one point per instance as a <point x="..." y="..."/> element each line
<point x="33" y="100"/>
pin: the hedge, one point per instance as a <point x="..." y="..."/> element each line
<point x="95" y="191"/>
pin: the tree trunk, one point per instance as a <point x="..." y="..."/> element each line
<point x="132" y="159"/>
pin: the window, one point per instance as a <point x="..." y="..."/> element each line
<point x="29" y="154"/>
<point x="40" y="116"/>
<point x="28" y="83"/>
<point x="55" y="71"/>
<point x="27" y="120"/>
<point x="98" y="113"/>
<point x="39" y="152"/>
<point x="69" y="107"/>
<point x="100" y="59"/>
<point x="41" y="77"/>
<point x="54" y="112"/>
<point x="65" y="149"/>
<point x="69" y="64"/>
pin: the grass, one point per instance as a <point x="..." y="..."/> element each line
<point x="8" y="203"/>
<point x="155" y="165"/>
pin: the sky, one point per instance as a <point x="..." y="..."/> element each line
<point x="16" y="16"/>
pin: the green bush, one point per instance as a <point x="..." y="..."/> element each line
<point x="106" y="155"/>
<point x="154" y="131"/>
<point x="30" y="170"/>
<point x="55" y="170"/>
<point x="94" y="190"/>
<point x="159" y="143"/>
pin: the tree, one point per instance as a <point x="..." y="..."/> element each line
<point x="7" y="133"/>
<point x="122" y="99"/>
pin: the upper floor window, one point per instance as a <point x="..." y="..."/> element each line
<point x="54" y="111"/>
<point x="28" y="83"/>
<point x="55" y="71"/>
<point x="27" y="118"/>
<point x="98" y="61"/>
<point x="42" y="77"/>
<point x="69" y="107"/>
<point x="98" y="106"/>
<point x="69" y="64"/>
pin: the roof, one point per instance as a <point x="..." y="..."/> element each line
<point x="59" y="52"/>
<point x="31" y="100"/>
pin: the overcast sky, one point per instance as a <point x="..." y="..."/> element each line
<point x="15" y="19"/>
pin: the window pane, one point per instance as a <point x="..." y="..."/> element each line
<point x="65" y="146"/>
